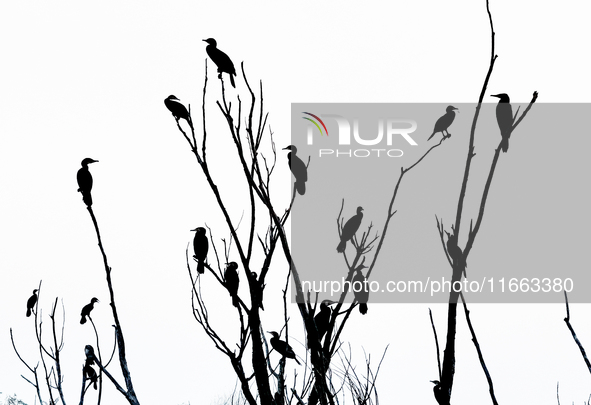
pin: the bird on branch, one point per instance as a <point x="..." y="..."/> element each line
<point x="89" y="352"/>
<point x="200" y="247"/>
<point x="85" y="181"/>
<point x="232" y="281"/>
<point x="443" y="123"/>
<point x="223" y="61"/>
<point x="350" y="228"/>
<point x="90" y="374"/>
<point x="360" y="289"/>
<point x="298" y="169"/>
<point x="455" y="252"/>
<point x="177" y="109"/>
<point x="86" y="310"/>
<point x="322" y="319"/>
<point x="282" y="347"/>
<point x="440" y="395"/>
<point x="504" y="119"/>
<point x="31" y="302"/>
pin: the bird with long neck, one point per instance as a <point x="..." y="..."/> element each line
<point x="177" y="109"/>
<point x="85" y="181"/>
<point x="298" y="169"/>
<point x="350" y="228"/>
<point x="282" y="347"/>
<point x="222" y="61"/>
<point x="504" y="119"/>
<point x="86" y="310"/>
<point x="200" y="247"/>
<point x="31" y="302"/>
<point x="443" y="123"/>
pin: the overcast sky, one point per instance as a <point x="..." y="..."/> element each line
<point x="88" y="80"/>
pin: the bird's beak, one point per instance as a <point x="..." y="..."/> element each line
<point x="205" y="40"/>
<point x="496" y="95"/>
<point x="94" y="161"/>
<point x="194" y="230"/>
<point x="287" y="148"/>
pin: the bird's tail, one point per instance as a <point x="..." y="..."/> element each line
<point x="94" y="386"/>
<point x="28" y="312"/>
<point x="82" y="320"/>
<point x="363" y="308"/>
<point x="297" y="361"/>
<point x="87" y="198"/>
<point x="235" y="300"/>
<point x="232" y="81"/>
<point x="200" y="267"/>
<point x="301" y="187"/>
<point x="431" y="136"/>
<point x="341" y="247"/>
<point x="505" y="144"/>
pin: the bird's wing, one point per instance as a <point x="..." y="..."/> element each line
<point x="351" y="226"/>
<point x="299" y="169"/>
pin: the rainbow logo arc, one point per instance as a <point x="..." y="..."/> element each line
<point x="316" y="123"/>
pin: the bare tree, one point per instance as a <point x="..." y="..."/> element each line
<point x="457" y="256"/>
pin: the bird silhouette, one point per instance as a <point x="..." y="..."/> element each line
<point x="363" y="294"/>
<point x="322" y="319"/>
<point x="232" y="281"/>
<point x="298" y="168"/>
<point x="350" y="228"/>
<point x="504" y="119"/>
<point x="455" y="252"/>
<point x="443" y="123"/>
<point x="31" y="302"/>
<point x="177" y="109"/>
<point x="89" y="352"/>
<point x="200" y="247"/>
<point x="86" y="310"/>
<point x="223" y="61"/>
<point x="85" y="181"/>
<point x="282" y="347"/>
<point x="440" y="396"/>
<point x="256" y="290"/>
<point x="90" y="374"/>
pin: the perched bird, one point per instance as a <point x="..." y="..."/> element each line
<point x="177" y="109"/>
<point x="298" y="168"/>
<point x="85" y="181"/>
<point x="90" y="374"/>
<point x="504" y="119"/>
<point x="31" y="302"/>
<point x="200" y="247"/>
<point x="322" y="319"/>
<point x="89" y="352"/>
<point x="351" y="226"/>
<point x="440" y="396"/>
<point x="232" y="281"/>
<point x="223" y="61"/>
<point x="256" y="290"/>
<point x="444" y="122"/>
<point x="455" y="252"/>
<point x="86" y="310"/>
<point x="361" y="289"/>
<point x="282" y="347"/>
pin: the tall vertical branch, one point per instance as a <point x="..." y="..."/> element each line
<point x="448" y="369"/>
<point x="130" y="395"/>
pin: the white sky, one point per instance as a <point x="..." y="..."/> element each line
<point x="88" y="80"/>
